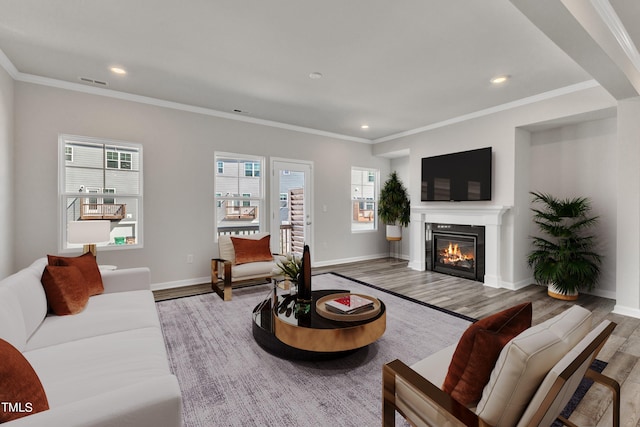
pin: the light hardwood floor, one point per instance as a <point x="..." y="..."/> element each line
<point x="622" y="351"/>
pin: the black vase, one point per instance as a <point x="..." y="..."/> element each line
<point x="304" y="280"/>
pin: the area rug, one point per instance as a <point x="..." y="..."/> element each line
<point x="228" y="380"/>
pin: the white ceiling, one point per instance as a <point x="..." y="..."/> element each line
<point x="394" y="65"/>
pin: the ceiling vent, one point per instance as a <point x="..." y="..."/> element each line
<point x="93" y="82"/>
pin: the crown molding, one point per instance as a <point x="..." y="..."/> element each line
<point x="487" y="111"/>
<point x="8" y="66"/>
<point x="78" y="87"/>
<point x="617" y="29"/>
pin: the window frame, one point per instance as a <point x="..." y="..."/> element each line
<point x="63" y="195"/>
<point x="365" y="203"/>
<point x="242" y="198"/>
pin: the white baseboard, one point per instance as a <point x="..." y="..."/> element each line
<point x="404" y="257"/>
<point x="180" y="283"/>
<point x="626" y="311"/>
<point x="519" y="284"/>
<point x="601" y="293"/>
<point x="207" y="279"/>
<point x="349" y="260"/>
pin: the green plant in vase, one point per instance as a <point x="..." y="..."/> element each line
<point x="564" y="257"/>
<point x="289" y="267"/>
<point x="394" y="206"/>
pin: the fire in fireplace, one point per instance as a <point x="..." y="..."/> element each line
<point x="456" y="249"/>
<point x="453" y="255"/>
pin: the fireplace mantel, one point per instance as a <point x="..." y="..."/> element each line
<point x="488" y="216"/>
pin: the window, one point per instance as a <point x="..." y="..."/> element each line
<point x="91" y="172"/>
<point x="364" y="199"/>
<point x="118" y="160"/>
<point x="125" y="160"/>
<point x="109" y="200"/>
<point x="284" y="200"/>
<point x="239" y="193"/>
<point x="252" y="169"/>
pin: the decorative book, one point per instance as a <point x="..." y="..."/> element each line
<point x="349" y="304"/>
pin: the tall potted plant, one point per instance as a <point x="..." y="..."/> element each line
<point x="394" y="207"/>
<point x="563" y="258"/>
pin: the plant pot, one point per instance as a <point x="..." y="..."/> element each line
<point x="554" y="292"/>
<point x="394" y="232"/>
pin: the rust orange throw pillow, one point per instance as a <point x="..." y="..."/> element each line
<point x="251" y="250"/>
<point x="65" y="288"/>
<point x="478" y="350"/>
<point x="20" y="386"/>
<point x="87" y="265"/>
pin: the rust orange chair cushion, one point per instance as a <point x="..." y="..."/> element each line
<point x="87" y="265"/>
<point x="478" y="350"/>
<point x="252" y="250"/>
<point x="65" y="288"/>
<point x="20" y="386"/>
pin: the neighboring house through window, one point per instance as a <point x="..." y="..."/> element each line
<point x="284" y="200"/>
<point x="239" y="193"/>
<point x="92" y="172"/>
<point x="364" y="199"/>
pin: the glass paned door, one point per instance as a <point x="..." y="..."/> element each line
<point x="290" y="206"/>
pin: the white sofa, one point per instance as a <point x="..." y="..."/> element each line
<point x="105" y="366"/>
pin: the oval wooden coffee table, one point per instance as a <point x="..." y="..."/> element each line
<point x="308" y="335"/>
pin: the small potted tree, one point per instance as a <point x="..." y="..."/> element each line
<point x="563" y="257"/>
<point x="394" y="207"/>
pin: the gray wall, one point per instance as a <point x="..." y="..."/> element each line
<point x="581" y="160"/>
<point x="6" y="174"/>
<point x="503" y="131"/>
<point x="179" y="167"/>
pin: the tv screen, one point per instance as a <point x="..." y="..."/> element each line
<point x="457" y="177"/>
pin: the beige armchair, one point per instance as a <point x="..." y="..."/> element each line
<point x="534" y="377"/>
<point x="242" y="260"/>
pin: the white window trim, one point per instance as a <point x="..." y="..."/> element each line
<point x="376" y="193"/>
<point x="262" y="224"/>
<point x="62" y="194"/>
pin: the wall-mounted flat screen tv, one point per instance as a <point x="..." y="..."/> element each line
<point x="462" y="176"/>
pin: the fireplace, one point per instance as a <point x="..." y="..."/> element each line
<point x="456" y="249"/>
<point x="488" y="217"/>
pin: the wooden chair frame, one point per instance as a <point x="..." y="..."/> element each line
<point x="219" y="265"/>
<point x="460" y="414"/>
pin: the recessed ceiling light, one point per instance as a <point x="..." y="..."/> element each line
<point x="499" y="79"/>
<point x="118" y="70"/>
<point x="315" y="75"/>
<point x="364" y="127"/>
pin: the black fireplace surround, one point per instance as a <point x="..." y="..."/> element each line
<point x="456" y="249"/>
